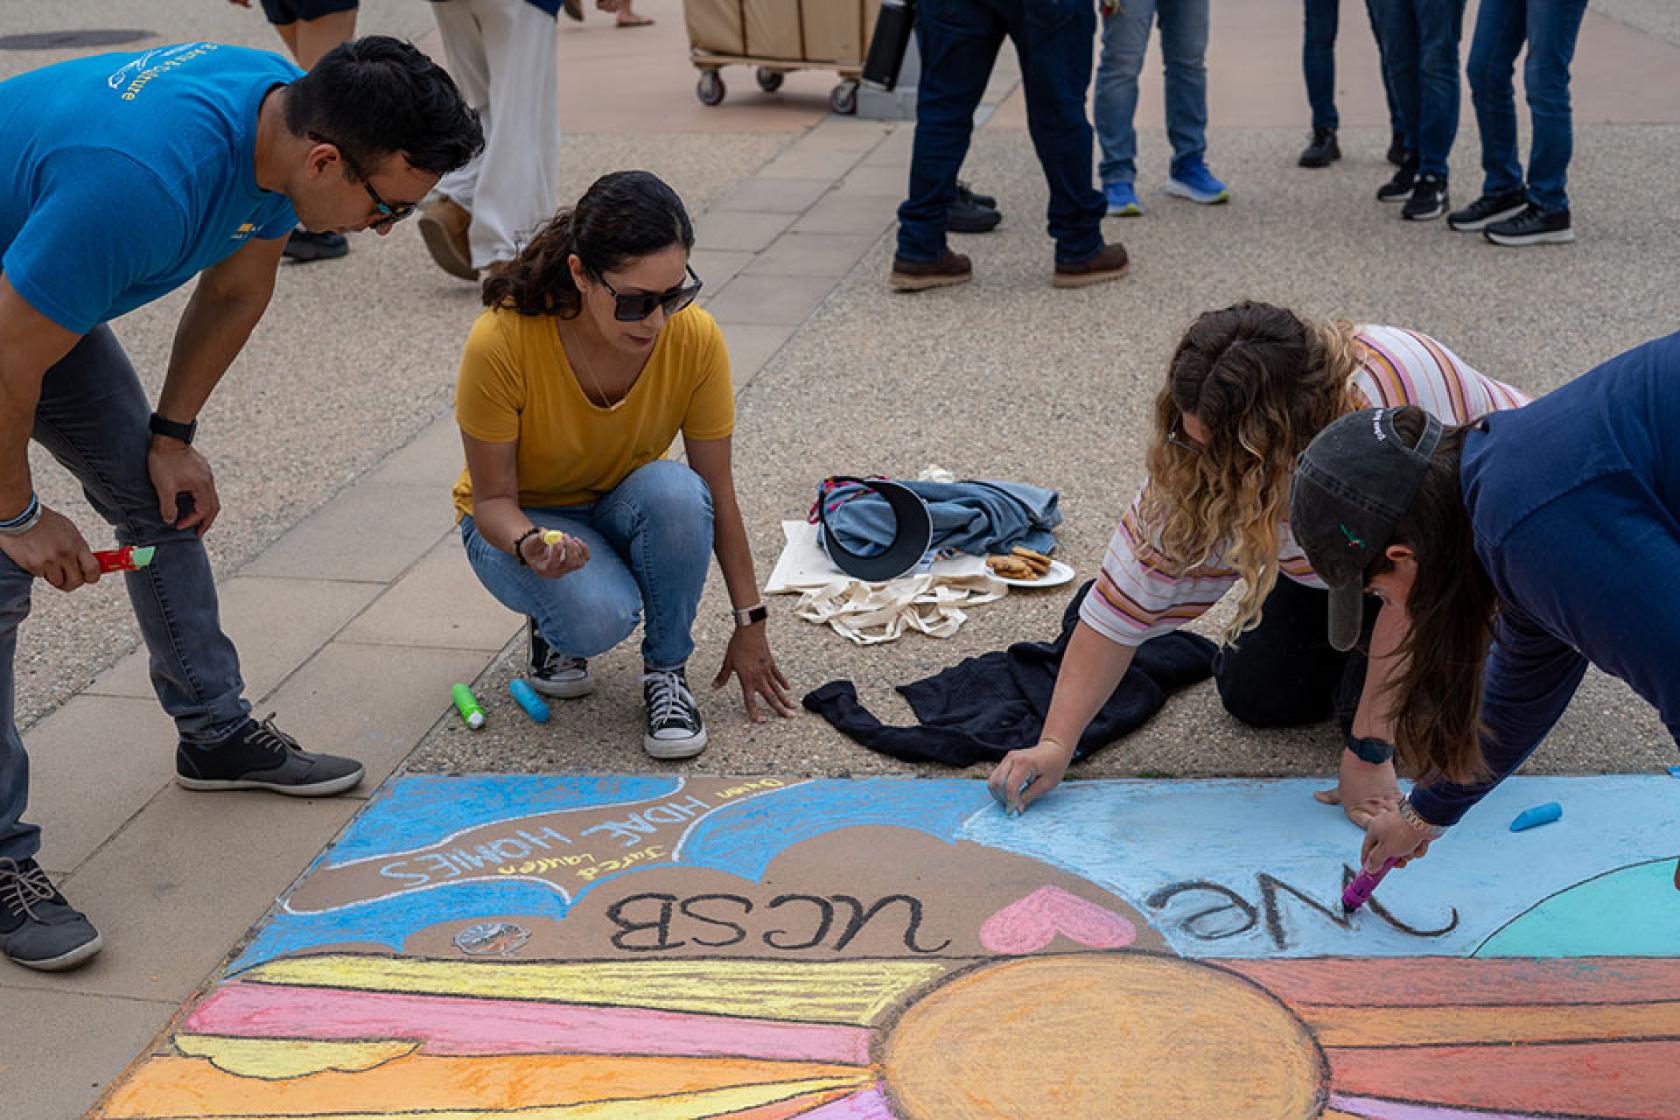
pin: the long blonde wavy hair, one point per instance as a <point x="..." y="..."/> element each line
<point x="1263" y="381"/>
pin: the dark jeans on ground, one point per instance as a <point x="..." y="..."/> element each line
<point x="1318" y="61"/>
<point x="1420" y="55"/>
<point x="959" y="41"/>
<point x="92" y="417"/>
<point x="1549" y="27"/>
<point x="1284" y="672"/>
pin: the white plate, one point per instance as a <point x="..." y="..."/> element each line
<point x="1059" y="573"/>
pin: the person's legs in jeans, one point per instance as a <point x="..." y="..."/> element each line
<point x="1318" y="60"/>
<point x="1501" y="26"/>
<point x="1373" y="12"/>
<point x="1184" y="39"/>
<point x="1553" y="26"/>
<point x="1439" y="26"/>
<point x="92" y="417"/>
<point x="18" y="840"/>
<point x="959" y="41"/>
<point x="1125" y="37"/>
<point x="1400" y="66"/>
<point x="660" y="520"/>
<point x="1053" y="39"/>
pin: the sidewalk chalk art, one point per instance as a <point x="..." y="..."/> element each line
<point x="660" y="949"/>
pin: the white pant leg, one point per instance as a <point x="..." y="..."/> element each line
<point x="516" y="182"/>
<point x="463" y="46"/>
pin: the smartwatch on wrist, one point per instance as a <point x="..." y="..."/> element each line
<point x="163" y="426"/>
<point x="746" y="616"/>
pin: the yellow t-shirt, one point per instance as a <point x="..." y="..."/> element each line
<point x="516" y="385"/>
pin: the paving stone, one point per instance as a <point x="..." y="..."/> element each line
<point x="849" y="213"/>
<point x="716" y="267"/>
<point x="738" y="230"/>
<point x="770" y="299"/>
<point x="812" y="254"/>
<point x="773" y="196"/>
<point x="433" y="458"/>
<point x="369" y="532"/>
<point x="63" y="1049"/>
<point x="438" y="602"/>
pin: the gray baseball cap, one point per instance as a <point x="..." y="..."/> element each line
<point x="1353" y="483"/>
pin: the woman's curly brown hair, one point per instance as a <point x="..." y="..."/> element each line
<point x="1263" y="382"/>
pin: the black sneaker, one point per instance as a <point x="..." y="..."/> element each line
<point x="553" y="673"/>
<point x="1399" y="188"/>
<point x="1397" y="153"/>
<point x="261" y="756"/>
<point x="1428" y="201"/>
<point x="986" y="200"/>
<point x="1533" y="226"/>
<point x="1323" y="151"/>
<point x="38" y="928"/>
<point x="969" y="215"/>
<point x="674" y="729"/>
<point x="1488" y="209"/>
<point x="303" y="246"/>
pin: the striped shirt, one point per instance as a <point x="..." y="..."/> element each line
<point x="1136" y="595"/>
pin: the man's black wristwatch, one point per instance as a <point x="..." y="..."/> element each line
<point x="163" y="426"/>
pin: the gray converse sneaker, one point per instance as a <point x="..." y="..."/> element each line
<point x="261" y="756"/>
<point x="553" y="673"/>
<point x="38" y="928"/>
<point x="674" y="729"/>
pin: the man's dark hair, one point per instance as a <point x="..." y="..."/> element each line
<point x="376" y="96"/>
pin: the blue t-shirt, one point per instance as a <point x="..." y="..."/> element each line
<point x="122" y="176"/>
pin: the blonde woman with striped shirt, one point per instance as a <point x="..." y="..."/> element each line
<point x="1248" y="388"/>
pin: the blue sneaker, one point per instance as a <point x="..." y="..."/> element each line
<point x="1197" y="183"/>
<point x="1122" y="200"/>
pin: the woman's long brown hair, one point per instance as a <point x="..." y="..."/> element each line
<point x="1264" y="382"/>
<point x="1436" y="696"/>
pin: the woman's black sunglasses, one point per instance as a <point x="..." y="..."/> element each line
<point x="638" y="306"/>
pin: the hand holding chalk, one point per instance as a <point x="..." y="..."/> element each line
<point x="561" y="554"/>
<point x="1358" y="892"/>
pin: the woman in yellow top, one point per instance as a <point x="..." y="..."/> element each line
<point x="574" y="384"/>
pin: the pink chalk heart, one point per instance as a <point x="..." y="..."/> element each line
<point x="1029" y="924"/>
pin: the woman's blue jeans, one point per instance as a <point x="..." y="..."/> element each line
<point x="650" y="542"/>
<point x="1125" y="36"/>
<point x="1318" y="61"/>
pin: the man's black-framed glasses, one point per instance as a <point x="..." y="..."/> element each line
<point x="637" y="306"/>
<point x="390" y="214"/>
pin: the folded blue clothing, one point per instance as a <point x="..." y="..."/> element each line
<point x="978" y="516"/>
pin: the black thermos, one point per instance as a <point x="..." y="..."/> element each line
<point x="893" y="26"/>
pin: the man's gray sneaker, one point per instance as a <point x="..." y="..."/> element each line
<point x="261" y="756"/>
<point x="674" y="729"/>
<point x="38" y="928"/>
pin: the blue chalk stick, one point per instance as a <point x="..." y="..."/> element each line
<point x="1540" y="814"/>
<point x="1674" y="771"/>
<point x="526" y="697"/>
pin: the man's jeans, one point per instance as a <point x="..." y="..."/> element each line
<point x="1125" y="36"/>
<point x="1318" y="61"/>
<point x="650" y="541"/>
<point x="959" y="41"/>
<point x="1420" y="56"/>
<point x="1549" y="27"/>
<point x="92" y="418"/>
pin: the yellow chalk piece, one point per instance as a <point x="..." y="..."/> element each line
<point x="850" y="992"/>
<point x="684" y="1106"/>
<point x="1506" y="1025"/>
<point x="279" y="1058"/>
<point x="553" y="536"/>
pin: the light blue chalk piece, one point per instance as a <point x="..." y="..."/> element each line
<point x="526" y="697"/>
<point x="1539" y="815"/>
<point x="1674" y="771"/>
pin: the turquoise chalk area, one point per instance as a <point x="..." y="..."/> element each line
<point x="1630" y="912"/>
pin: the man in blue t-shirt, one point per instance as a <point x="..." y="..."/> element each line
<point x="121" y="178"/>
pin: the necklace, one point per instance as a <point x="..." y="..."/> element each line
<point x="597" y="396"/>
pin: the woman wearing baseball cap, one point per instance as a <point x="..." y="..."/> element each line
<point x="1247" y="388"/>
<point x="1519" y="550"/>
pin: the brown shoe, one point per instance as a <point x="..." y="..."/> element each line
<point x="443" y="223"/>
<point x="1107" y="263"/>
<point x="915" y="276"/>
